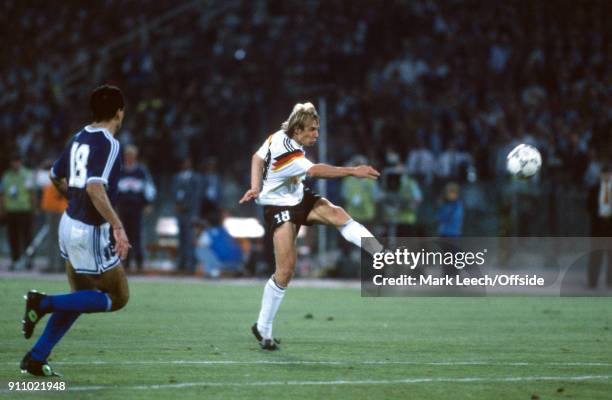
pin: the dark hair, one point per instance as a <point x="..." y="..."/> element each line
<point x="104" y="102"/>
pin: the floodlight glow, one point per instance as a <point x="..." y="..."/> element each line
<point x="244" y="227"/>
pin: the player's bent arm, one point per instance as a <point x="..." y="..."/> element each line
<point x="257" y="169"/>
<point x="60" y="184"/>
<point x="101" y="202"/>
<point x="330" y="171"/>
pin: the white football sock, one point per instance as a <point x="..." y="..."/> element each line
<point x="353" y="231"/>
<point x="270" y="301"/>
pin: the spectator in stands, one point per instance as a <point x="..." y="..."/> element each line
<point x="450" y="214"/>
<point x="136" y="193"/>
<point x="576" y="159"/>
<point x="401" y="198"/>
<point x="359" y="198"/>
<point x="53" y="204"/>
<point x="18" y="205"/>
<point x="593" y="172"/>
<point x="360" y="195"/>
<point x="453" y="164"/>
<point x="217" y="251"/>
<point x="421" y="164"/>
<point x="210" y="187"/>
<point x="451" y="67"/>
<point x="187" y="202"/>
<point x="600" y="210"/>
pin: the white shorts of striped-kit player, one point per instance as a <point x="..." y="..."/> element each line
<point x="88" y="247"/>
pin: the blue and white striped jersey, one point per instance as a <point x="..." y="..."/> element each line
<point x="93" y="155"/>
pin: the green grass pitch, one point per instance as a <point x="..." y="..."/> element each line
<point x="191" y="340"/>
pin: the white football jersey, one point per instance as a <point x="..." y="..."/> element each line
<point x="284" y="170"/>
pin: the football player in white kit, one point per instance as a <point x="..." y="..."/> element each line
<point x="280" y="164"/>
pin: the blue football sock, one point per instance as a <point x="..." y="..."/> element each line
<point x="57" y="326"/>
<point x="82" y="301"/>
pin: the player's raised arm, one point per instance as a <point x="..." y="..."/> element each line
<point x="330" y="171"/>
<point x="257" y="168"/>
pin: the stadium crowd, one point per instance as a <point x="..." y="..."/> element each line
<point x="447" y="86"/>
<point x="467" y="74"/>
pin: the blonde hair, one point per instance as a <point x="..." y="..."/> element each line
<point x="301" y="112"/>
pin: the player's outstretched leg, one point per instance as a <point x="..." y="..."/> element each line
<point x="82" y="301"/>
<point x="324" y="212"/>
<point x="33" y="312"/>
<point x="66" y="309"/>
<point x="35" y="361"/>
<point x="354" y="232"/>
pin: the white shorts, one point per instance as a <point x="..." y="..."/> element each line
<point x="87" y="247"/>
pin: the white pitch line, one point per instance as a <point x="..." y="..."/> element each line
<point x="342" y="382"/>
<point x="305" y="362"/>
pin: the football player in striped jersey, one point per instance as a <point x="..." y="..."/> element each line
<point x="277" y="171"/>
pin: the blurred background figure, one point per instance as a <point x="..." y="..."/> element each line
<point x="453" y="164"/>
<point x="217" y="252"/>
<point x="401" y="198"/>
<point x="360" y="195"/>
<point x="421" y="164"/>
<point x="592" y="175"/>
<point x="359" y="198"/>
<point x="450" y="214"/>
<point x="18" y="205"/>
<point x="600" y="210"/>
<point x="53" y="204"/>
<point x="136" y="193"/>
<point x="210" y="189"/>
<point x="186" y="191"/>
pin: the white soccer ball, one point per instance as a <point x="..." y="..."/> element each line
<point x="524" y="161"/>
